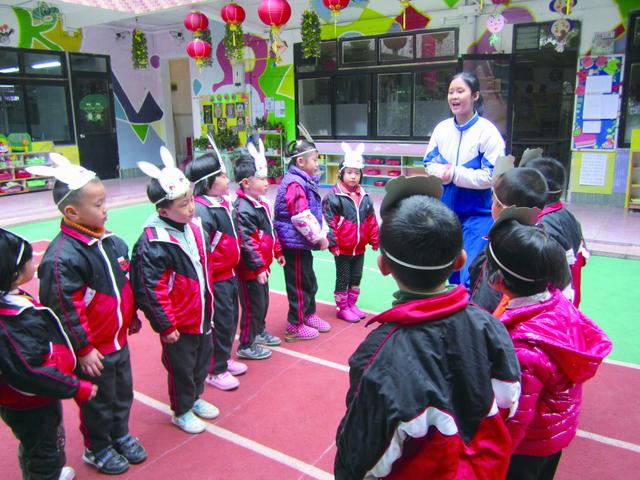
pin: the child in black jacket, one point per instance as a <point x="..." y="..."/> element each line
<point x="36" y="367"/>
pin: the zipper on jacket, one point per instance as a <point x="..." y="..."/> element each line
<point x="357" y="208"/>
<point x="117" y="291"/>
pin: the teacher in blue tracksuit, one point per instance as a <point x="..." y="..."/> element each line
<point x="462" y="152"/>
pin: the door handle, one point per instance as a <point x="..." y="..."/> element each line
<point x="81" y="135"/>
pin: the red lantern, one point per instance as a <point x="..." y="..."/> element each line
<point x="196" y="21"/>
<point x="274" y="13"/>
<point x="335" y="6"/>
<point x="198" y="50"/>
<point x="233" y="14"/>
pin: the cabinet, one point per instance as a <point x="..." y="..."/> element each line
<point x="15" y="179"/>
<point x="633" y="188"/>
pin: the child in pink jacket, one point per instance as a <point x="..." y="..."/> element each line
<point x="557" y="346"/>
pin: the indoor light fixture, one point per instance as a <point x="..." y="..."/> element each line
<point x="9" y="70"/>
<point x="38" y="66"/>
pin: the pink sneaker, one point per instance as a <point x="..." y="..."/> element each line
<point x="300" y="332"/>
<point x="236" y="368"/>
<point x="314" y="321"/>
<point x="224" y="381"/>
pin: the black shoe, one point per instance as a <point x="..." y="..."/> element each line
<point x="107" y="461"/>
<point x="131" y="449"/>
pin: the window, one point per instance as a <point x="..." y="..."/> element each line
<point x="9" y="64"/>
<point x="86" y="63"/>
<point x="632" y="113"/>
<point x="352" y="105"/>
<point x="315" y="105"/>
<point x="541" y="36"/>
<point x="395" y="95"/>
<point x="12" y="111"/>
<point x="43" y="64"/>
<point x="42" y="101"/>
<point x="630" y="120"/>
<point x="391" y="86"/>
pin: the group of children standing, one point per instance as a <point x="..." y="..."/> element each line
<point x="434" y="375"/>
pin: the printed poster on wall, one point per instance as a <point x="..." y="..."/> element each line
<point x="597" y="102"/>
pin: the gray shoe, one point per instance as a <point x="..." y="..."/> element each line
<point x="254" y="352"/>
<point x="265" y="338"/>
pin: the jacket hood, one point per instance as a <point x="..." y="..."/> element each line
<point x="573" y="341"/>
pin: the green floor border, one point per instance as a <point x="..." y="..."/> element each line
<point x="608" y="283"/>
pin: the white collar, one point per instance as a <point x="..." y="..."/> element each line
<point x="529" y="300"/>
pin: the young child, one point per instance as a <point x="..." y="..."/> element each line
<point x="557" y="346"/>
<point x="560" y="223"/>
<point x="169" y="273"/>
<point x="84" y="279"/>
<point x="210" y="188"/>
<point x="426" y="386"/>
<point x="349" y="213"/>
<point x="299" y="222"/>
<point x="36" y="367"/>
<point x="259" y="245"/>
<point x="517" y="187"/>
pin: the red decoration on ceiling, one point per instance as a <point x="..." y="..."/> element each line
<point x="413" y="19"/>
<point x="233" y="14"/>
<point x="336" y="5"/>
<point x="198" y="50"/>
<point x="196" y="21"/>
<point x="274" y="13"/>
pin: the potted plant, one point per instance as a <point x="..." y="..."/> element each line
<point x="200" y="144"/>
<point x="275" y="173"/>
<point x="226" y="139"/>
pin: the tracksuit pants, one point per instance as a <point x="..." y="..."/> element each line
<point x="41" y="436"/>
<point x="254" y="300"/>
<point x="301" y="284"/>
<point x="474" y="233"/>
<point x="105" y="418"/>
<point x="526" y="467"/>
<point x="225" y="322"/>
<point x="187" y="362"/>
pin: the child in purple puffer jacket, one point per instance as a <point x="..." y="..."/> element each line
<point x="557" y="346"/>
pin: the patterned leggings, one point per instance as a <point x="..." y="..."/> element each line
<point x="348" y="271"/>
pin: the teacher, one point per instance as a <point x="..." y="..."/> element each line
<point x="462" y="152"/>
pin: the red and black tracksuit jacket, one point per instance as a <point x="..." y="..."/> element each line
<point x="429" y="390"/>
<point x="85" y="281"/>
<point x="219" y="221"/>
<point x="258" y="240"/>
<point x="166" y="283"/>
<point x="352" y="221"/>
<point x="36" y="359"/>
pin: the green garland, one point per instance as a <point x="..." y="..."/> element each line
<point x="233" y="42"/>
<point x="310" y="29"/>
<point x="206" y="37"/>
<point x="139" y="52"/>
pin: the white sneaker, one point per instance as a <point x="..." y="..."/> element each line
<point x="67" y="473"/>
<point x="204" y="409"/>
<point x="189" y="423"/>
<point x="224" y="381"/>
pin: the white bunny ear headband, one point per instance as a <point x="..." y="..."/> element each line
<point x="259" y="158"/>
<point x="222" y="168"/>
<point x="171" y="179"/>
<point x="307" y="136"/>
<point x="74" y="176"/>
<point x="353" y="158"/>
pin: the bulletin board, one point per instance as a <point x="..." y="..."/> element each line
<point x="593" y="172"/>
<point x="597" y="102"/>
<point x="228" y="110"/>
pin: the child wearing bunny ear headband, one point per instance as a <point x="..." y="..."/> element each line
<point x="84" y="279"/>
<point x="431" y="343"/>
<point x="301" y="229"/>
<point x="211" y="190"/>
<point x="350" y="215"/>
<point x="170" y="278"/>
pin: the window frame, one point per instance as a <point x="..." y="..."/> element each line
<point x="632" y="56"/>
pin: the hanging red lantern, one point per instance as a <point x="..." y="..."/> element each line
<point x="336" y="6"/>
<point x="196" y="21"/>
<point x="233" y="14"/>
<point x="274" y="13"/>
<point x="198" y="50"/>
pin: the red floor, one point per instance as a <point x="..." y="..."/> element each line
<point x="281" y="422"/>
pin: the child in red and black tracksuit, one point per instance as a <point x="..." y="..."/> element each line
<point x="259" y="245"/>
<point x="84" y="279"/>
<point x="560" y="223"/>
<point x="211" y="187"/>
<point x="36" y="368"/>
<point x="426" y="387"/>
<point x="349" y="213"/>
<point x="300" y="226"/>
<point x="171" y="282"/>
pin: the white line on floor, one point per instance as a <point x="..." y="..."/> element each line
<point x="614" y="442"/>
<point x="623" y="364"/>
<point x="245" y="442"/>
<point x="311" y="358"/>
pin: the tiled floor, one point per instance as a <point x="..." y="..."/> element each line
<point x="608" y="231"/>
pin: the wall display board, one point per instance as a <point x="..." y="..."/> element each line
<point x="225" y="111"/>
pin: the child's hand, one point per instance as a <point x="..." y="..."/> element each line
<point x="335" y="252"/>
<point x="94" y="391"/>
<point x="135" y="326"/>
<point x="263" y="278"/>
<point x="324" y="243"/>
<point x="91" y="363"/>
<point x="173" y="337"/>
<point x="281" y="261"/>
